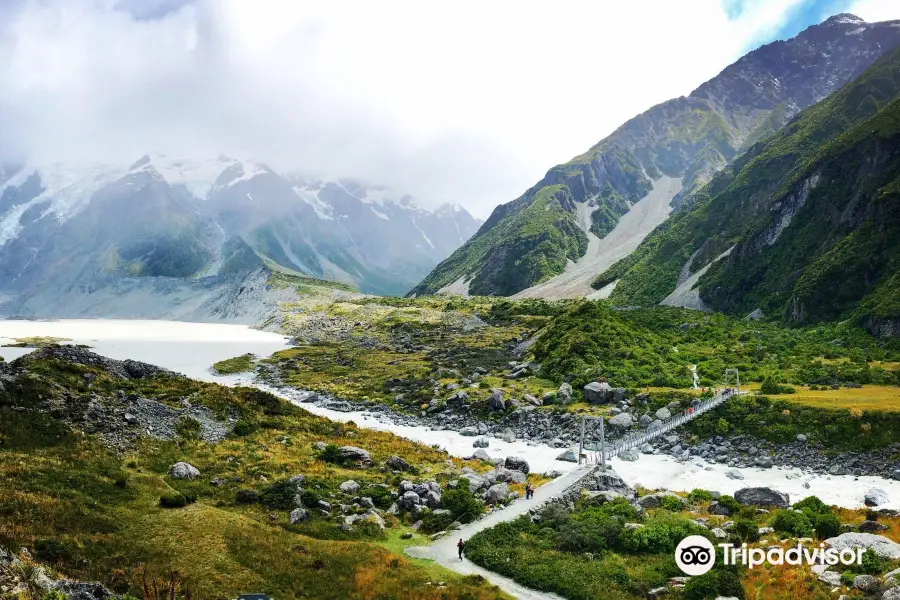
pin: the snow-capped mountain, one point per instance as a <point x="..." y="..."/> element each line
<point x="68" y="226"/>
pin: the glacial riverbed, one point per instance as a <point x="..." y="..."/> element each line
<point x="192" y="348"/>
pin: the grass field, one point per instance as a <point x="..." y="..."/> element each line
<point x="868" y="397"/>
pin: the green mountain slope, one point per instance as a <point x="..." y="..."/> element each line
<point x="689" y="138"/>
<point x="811" y="213"/>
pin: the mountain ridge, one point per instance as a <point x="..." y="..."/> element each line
<point x="67" y="226"/>
<point x="691" y="137"/>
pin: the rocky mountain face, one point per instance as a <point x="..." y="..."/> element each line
<point x="67" y="229"/>
<point x="804" y="226"/>
<point x="533" y="238"/>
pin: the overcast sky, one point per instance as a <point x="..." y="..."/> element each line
<point x="462" y="101"/>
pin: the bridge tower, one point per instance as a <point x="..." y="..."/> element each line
<point x="732" y="375"/>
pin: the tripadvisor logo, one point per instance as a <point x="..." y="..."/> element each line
<point x="696" y="555"/>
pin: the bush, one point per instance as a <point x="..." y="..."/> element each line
<point x="461" y="503"/>
<point x="381" y="496"/>
<point x="770" y="385"/>
<point x="620" y="507"/>
<point x="720" y="582"/>
<point x="279" y="495"/>
<point x="670" y="503"/>
<point x="246" y="497"/>
<point x="730" y="503"/>
<point x="746" y="529"/>
<point x="872" y="564"/>
<point x="792" y="523"/>
<point x="590" y="530"/>
<point x="52" y="551"/>
<point x="660" y="534"/>
<point x="812" y="505"/>
<point x="826" y="525"/>
<point x="243" y="428"/>
<point x="173" y="500"/>
<point x="55" y="595"/>
<point x="698" y="495"/>
<point x="432" y="523"/>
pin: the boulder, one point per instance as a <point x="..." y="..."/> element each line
<point x="801" y="437"/>
<point x="830" y="578"/>
<point x="867" y="584"/>
<point x="630" y="455"/>
<point x="354" y="454"/>
<point x="183" y="470"/>
<point x="509" y="476"/>
<point x="395" y="463"/>
<point x="481" y="442"/>
<point x="875" y="497"/>
<point x="600" y="498"/>
<point x="882" y="546"/>
<point x="598" y="393"/>
<point x="622" y="421"/>
<point x="645" y="421"/>
<point x="409" y="501"/>
<point x="663" y="414"/>
<point x="871" y="526"/>
<point x="564" y="393"/>
<point x="495" y="401"/>
<point x="568" y="456"/>
<point x="734" y="474"/>
<point x="763" y="462"/>
<point x="481" y="454"/>
<point x="891" y="594"/>
<point x="516" y="463"/>
<point x="654" y="500"/>
<point x="529" y="399"/>
<point x="497" y="494"/>
<point x="82" y="590"/>
<point x="718" y="509"/>
<point x="762" y="496"/>
<point x="349" y="487"/>
<point x="432" y="499"/>
<point x="507" y="435"/>
<point x="298" y="515"/>
<point x="476" y="483"/>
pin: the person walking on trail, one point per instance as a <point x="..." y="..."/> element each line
<point x="528" y="492"/>
<point x="459" y="546"/>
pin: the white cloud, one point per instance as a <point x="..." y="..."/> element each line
<point x="464" y="101"/>
<point x="876" y="10"/>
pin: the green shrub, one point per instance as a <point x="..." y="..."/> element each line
<point x="746" y="529"/>
<point x="246" y="497"/>
<point x="380" y="495"/>
<point x="670" y="503"/>
<point x="461" y="503"/>
<point x="720" y="582"/>
<point x="52" y="551"/>
<point x="432" y="523"/>
<point x="871" y="564"/>
<point x="173" y="500"/>
<point x="243" y="428"/>
<point x="660" y="534"/>
<point x="698" y="495"/>
<point x="620" y="507"/>
<point x="826" y="525"/>
<point x="812" y="505"/>
<point x="730" y="503"/>
<point x="279" y="495"/>
<point x="591" y="530"/>
<point x="55" y="595"/>
<point x="792" y="523"/>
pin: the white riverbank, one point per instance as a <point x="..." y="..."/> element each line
<point x="191" y="349"/>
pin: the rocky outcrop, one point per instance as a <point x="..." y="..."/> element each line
<point x="761" y="496"/>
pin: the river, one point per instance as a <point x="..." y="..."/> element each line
<point x="192" y="348"/>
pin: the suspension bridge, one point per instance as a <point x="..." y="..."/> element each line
<point x="590" y="424"/>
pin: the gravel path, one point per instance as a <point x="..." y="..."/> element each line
<point x="444" y="550"/>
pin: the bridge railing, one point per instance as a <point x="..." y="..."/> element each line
<point x="637" y="439"/>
